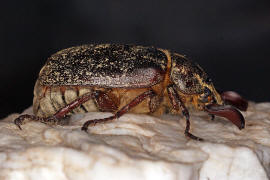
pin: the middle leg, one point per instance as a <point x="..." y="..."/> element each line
<point x="122" y="111"/>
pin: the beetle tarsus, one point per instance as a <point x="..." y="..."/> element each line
<point x="187" y="133"/>
<point x="18" y="123"/>
<point x="19" y="120"/>
<point x="212" y="116"/>
<point x="46" y="120"/>
<point x="191" y="136"/>
<point x="95" y="121"/>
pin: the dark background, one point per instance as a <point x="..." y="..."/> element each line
<point x="229" y="39"/>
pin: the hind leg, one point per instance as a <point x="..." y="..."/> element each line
<point x="102" y="99"/>
<point x="58" y="116"/>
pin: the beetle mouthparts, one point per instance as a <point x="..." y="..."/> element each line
<point x="234" y="99"/>
<point x="228" y="112"/>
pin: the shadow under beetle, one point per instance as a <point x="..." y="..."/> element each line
<point x="126" y="78"/>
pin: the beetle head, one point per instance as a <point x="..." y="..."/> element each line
<point x="197" y="88"/>
<point x="191" y="80"/>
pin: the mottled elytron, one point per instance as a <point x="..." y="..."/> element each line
<point x="126" y="78"/>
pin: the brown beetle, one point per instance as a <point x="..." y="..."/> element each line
<point x="126" y="78"/>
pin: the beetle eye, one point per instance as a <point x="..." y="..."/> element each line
<point x="208" y="80"/>
<point x="207" y="92"/>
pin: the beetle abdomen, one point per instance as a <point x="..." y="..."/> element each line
<point x="105" y="65"/>
<point x="49" y="99"/>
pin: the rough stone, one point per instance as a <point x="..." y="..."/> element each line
<point x="138" y="147"/>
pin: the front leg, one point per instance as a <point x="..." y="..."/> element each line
<point x="177" y="103"/>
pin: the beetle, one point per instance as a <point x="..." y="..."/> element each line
<point x="126" y="78"/>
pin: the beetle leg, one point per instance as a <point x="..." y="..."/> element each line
<point x="177" y="103"/>
<point x="154" y="103"/>
<point x="122" y="111"/>
<point x="105" y="102"/>
<point x="212" y="116"/>
<point x="58" y="116"/>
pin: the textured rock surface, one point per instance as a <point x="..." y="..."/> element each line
<point x="138" y="147"/>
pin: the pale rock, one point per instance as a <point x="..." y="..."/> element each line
<point x="138" y="147"/>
